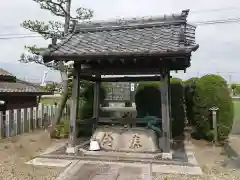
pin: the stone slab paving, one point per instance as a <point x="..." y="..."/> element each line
<point x="95" y="172"/>
<point x="89" y="171"/>
<point x="233" y="145"/>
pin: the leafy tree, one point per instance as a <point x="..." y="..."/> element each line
<point x="235" y="89"/>
<point x="212" y="90"/>
<point x="53" y="30"/>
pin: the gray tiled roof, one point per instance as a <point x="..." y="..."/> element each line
<point x="21" y="86"/>
<point x="136" y="36"/>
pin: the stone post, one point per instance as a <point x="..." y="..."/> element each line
<point x="23" y="119"/>
<point x="15" y="121"/>
<point x="214" y="122"/>
<point x="40" y="115"/>
<point x="7" y="123"/>
<point x="35" y="117"/>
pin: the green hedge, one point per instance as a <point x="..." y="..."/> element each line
<point x="212" y="90"/>
<point x="86" y="109"/>
<point x="148" y="99"/>
<point x="148" y="102"/>
<point x="85" y="124"/>
<point x="189" y="91"/>
<point x="177" y="107"/>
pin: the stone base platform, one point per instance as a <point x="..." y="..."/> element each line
<point x="84" y="162"/>
<point x="183" y="160"/>
<point x="179" y="156"/>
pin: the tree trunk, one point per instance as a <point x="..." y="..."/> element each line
<point x="63" y="71"/>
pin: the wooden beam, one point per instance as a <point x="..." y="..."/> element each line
<point x="123" y="55"/>
<point x="137" y="66"/>
<point x="130" y="78"/>
<point x="118" y="71"/>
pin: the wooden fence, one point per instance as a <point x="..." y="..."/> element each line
<point x="18" y="121"/>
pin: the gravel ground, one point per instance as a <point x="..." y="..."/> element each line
<point x="209" y="174"/>
<point x="210" y="159"/>
<point x="15" y="151"/>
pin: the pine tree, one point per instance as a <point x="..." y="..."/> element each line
<point x="54" y="30"/>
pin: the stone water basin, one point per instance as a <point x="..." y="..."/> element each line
<point x="136" y="139"/>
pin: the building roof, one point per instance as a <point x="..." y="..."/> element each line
<point x="20" y="86"/>
<point x="3" y="72"/>
<point x="155" y="36"/>
<point x="15" y="85"/>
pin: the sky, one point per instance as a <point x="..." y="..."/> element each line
<point x="218" y="52"/>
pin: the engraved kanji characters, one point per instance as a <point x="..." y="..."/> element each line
<point x="107" y="140"/>
<point x="135" y="143"/>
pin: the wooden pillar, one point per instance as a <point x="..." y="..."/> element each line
<point x="96" y="101"/>
<point x="78" y="96"/>
<point x="165" y="112"/>
<point x="73" y="113"/>
<point x="96" y="104"/>
<point x="170" y="103"/>
<point x="132" y="90"/>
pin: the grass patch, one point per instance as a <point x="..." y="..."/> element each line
<point x="236" y="109"/>
<point x="49" y="100"/>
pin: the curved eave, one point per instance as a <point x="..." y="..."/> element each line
<point x="48" y="57"/>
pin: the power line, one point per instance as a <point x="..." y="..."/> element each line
<point x="18" y="34"/>
<point x="20" y="37"/>
<point x="220" y="21"/>
<point x="214" y="10"/>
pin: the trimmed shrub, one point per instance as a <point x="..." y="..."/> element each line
<point x="212" y="90"/>
<point x="86" y="109"/>
<point x="88" y="93"/>
<point x="189" y="91"/>
<point x="175" y="80"/>
<point x="85" y="124"/>
<point x="148" y="99"/>
<point x="177" y="107"/>
<point x="148" y="103"/>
